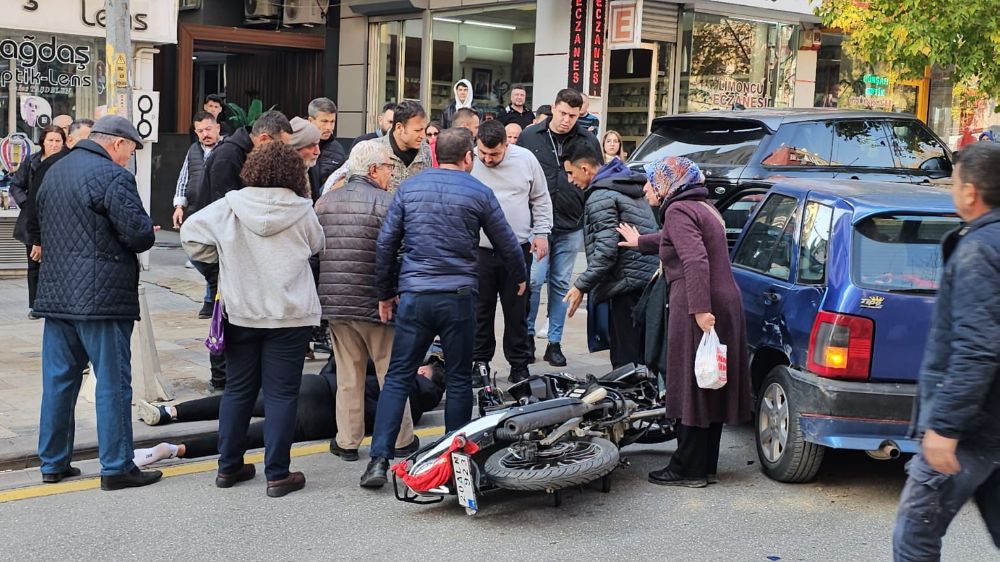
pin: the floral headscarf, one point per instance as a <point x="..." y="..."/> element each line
<point x="672" y="175"/>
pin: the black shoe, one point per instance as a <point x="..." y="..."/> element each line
<point x="291" y="483"/>
<point x="246" y="472"/>
<point x="480" y="374"/>
<point x="32" y="316"/>
<point x="667" y="477"/>
<point x="55" y="477"/>
<point x="321" y="341"/>
<point x="408" y="450"/>
<point x="554" y="355"/>
<point x="376" y="475"/>
<point x="713" y="479"/>
<point x="346" y="454"/>
<point x="133" y="479"/>
<point x="216" y="386"/>
<point x="518" y="374"/>
<point x="206" y="311"/>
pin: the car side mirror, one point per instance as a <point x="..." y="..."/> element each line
<point x="936" y="164"/>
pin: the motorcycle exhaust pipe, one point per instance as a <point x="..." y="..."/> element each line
<point x="518" y="424"/>
<point x="654" y="413"/>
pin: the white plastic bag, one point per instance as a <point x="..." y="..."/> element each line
<point x="710" y="362"/>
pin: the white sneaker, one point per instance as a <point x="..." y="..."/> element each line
<point x="542" y="330"/>
<point x="188" y="265"/>
<point x="148" y="413"/>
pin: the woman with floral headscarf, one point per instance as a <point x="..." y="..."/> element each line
<point x="703" y="295"/>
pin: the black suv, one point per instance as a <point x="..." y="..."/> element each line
<point x="742" y="152"/>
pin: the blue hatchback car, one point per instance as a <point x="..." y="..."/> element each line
<point x="838" y="281"/>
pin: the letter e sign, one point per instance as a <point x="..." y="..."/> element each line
<point x="624" y="25"/>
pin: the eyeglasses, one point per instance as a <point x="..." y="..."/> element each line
<point x="433" y="134"/>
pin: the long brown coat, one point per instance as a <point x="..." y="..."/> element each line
<point x="695" y="259"/>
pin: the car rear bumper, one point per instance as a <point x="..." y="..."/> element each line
<point x="853" y="415"/>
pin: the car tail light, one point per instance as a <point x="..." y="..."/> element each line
<point x="840" y="346"/>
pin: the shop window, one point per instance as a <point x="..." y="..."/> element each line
<point x="861" y="144"/>
<point x="806" y="144"/>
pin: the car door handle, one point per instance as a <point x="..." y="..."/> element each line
<point x="771" y="297"/>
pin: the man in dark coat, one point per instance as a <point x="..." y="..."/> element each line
<point x="958" y="408"/>
<point x="222" y="175"/>
<point x="516" y="112"/>
<point x="618" y="275"/>
<point x="551" y="141"/>
<point x="440" y="213"/>
<point x="323" y="114"/>
<point x="352" y="217"/>
<point x="93" y="225"/>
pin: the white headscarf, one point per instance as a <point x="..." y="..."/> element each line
<point x="468" y="100"/>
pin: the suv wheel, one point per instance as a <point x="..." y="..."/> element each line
<point x="784" y="453"/>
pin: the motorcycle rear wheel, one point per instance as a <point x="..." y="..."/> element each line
<point x="563" y="465"/>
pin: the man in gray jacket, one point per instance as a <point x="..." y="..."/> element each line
<point x="352" y="217"/>
<point x="518" y="181"/>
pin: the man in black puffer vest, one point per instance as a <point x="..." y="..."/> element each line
<point x="93" y="225"/>
<point x="613" y="196"/>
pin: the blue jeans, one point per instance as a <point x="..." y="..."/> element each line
<point x="210" y="271"/>
<point x="563" y="247"/>
<point x="258" y="358"/>
<point x="67" y="345"/>
<point x="420" y="317"/>
<point x="930" y="501"/>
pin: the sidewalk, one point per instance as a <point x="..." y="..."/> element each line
<point x="174" y="296"/>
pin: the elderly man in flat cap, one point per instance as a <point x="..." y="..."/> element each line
<point x="93" y="225"/>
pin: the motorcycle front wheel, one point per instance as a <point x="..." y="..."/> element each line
<point x="563" y="465"/>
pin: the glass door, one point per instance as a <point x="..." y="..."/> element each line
<point x="639" y="89"/>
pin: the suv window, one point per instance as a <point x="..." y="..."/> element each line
<point x="815" y="239"/>
<point x="917" y="147"/>
<point x="801" y="144"/>
<point x="861" y="144"/>
<point x="900" y="253"/>
<point x="707" y="142"/>
<point x="767" y="245"/>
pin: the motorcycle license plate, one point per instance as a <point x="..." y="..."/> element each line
<point x="466" y="488"/>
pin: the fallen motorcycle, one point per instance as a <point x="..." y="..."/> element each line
<point x="559" y="432"/>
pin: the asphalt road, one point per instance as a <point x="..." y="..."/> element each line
<point x="847" y="514"/>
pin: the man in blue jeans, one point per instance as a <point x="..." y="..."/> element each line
<point x="439" y="212"/>
<point x="551" y="141"/>
<point x="958" y="408"/>
<point x="93" y="225"/>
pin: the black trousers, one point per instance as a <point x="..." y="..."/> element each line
<point x="494" y="281"/>
<point x="33" y="267"/>
<point x="697" y="453"/>
<point x="268" y="359"/>
<point x="626" y="338"/>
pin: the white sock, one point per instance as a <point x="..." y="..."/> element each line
<point x="145" y="457"/>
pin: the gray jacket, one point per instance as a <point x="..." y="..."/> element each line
<point x="351" y="218"/>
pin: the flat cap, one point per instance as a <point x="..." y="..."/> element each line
<point x="117" y="126"/>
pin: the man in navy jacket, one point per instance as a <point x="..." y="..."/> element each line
<point x="439" y="212"/>
<point x="958" y="408"/>
<point x="93" y="225"/>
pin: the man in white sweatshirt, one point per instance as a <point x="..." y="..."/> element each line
<point x="517" y="179"/>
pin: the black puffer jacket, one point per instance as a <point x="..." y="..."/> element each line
<point x="93" y="225"/>
<point x="614" y="197"/>
<point x="331" y="157"/>
<point x="567" y="199"/>
<point x="24" y="189"/>
<point x="223" y="167"/>
<point x="351" y="218"/>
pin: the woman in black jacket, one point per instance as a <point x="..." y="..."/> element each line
<point x="24" y="188"/>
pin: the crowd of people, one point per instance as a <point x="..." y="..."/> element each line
<point x="399" y="252"/>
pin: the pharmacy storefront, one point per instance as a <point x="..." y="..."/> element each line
<point x="53" y="62"/>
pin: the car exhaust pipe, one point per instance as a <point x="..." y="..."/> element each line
<point x="887" y="451"/>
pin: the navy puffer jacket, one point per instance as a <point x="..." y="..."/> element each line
<point x="93" y="225"/>
<point x="440" y="212"/>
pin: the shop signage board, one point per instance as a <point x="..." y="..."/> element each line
<point x="623" y="24"/>
<point x="802" y="7"/>
<point x="597" y="34"/>
<point x="577" y="45"/>
<point x="153" y="21"/>
<point x="146" y="114"/>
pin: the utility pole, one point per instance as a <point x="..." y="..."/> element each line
<point x="119" y="57"/>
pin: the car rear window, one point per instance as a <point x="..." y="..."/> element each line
<point x="900" y="253"/>
<point x="706" y="142"/>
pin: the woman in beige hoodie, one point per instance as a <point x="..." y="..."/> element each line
<point x="262" y="238"/>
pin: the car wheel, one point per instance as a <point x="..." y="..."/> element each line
<point x="784" y="453"/>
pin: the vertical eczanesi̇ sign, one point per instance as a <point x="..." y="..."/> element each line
<point x="597" y="34"/>
<point x="577" y="44"/>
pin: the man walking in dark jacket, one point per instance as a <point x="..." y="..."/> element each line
<point x="439" y="212"/>
<point x="551" y="141"/>
<point x="222" y="175"/>
<point x="323" y="114"/>
<point x="614" y="274"/>
<point x="93" y="225"/>
<point x="351" y="218"/>
<point x="959" y="390"/>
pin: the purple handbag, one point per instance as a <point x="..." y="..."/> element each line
<point x="216" y="340"/>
